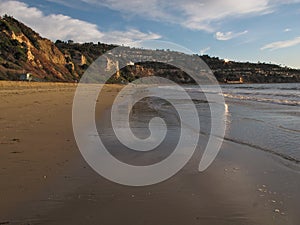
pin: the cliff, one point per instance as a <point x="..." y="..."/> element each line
<point x="22" y="50"/>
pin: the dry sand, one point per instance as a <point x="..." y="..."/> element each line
<point x="44" y="179"/>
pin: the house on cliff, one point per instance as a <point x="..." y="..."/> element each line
<point x="234" y="81"/>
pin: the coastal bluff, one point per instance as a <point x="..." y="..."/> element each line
<point x="22" y="51"/>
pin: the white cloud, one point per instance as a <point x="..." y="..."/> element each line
<point x="205" y="14"/>
<point x="58" y="26"/>
<point x="129" y="36"/>
<point x="287" y="30"/>
<point x="193" y="14"/>
<point x="282" y="44"/>
<point x="228" y="35"/>
<point x="204" y="51"/>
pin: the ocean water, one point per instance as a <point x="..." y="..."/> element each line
<point x="264" y="116"/>
<point x="282" y="94"/>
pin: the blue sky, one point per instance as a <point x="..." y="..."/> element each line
<point x="249" y="30"/>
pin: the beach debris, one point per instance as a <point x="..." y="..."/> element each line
<point x="5" y="222"/>
<point x="277" y="211"/>
<point x="11" y="141"/>
<point x="273" y="201"/>
<point x="45" y="177"/>
<point x="15" y="140"/>
<point x="16" y="152"/>
<point x="260" y="190"/>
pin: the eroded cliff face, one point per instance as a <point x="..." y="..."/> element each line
<point x="27" y="52"/>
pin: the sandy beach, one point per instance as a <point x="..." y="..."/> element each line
<point x="45" y="180"/>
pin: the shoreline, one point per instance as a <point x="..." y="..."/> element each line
<point x="44" y="179"/>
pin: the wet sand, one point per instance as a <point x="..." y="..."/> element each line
<point x="44" y="179"/>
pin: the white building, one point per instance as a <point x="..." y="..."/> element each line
<point x="26" y="77"/>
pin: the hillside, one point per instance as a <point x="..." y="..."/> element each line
<point x="22" y="50"/>
<point x="251" y="72"/>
